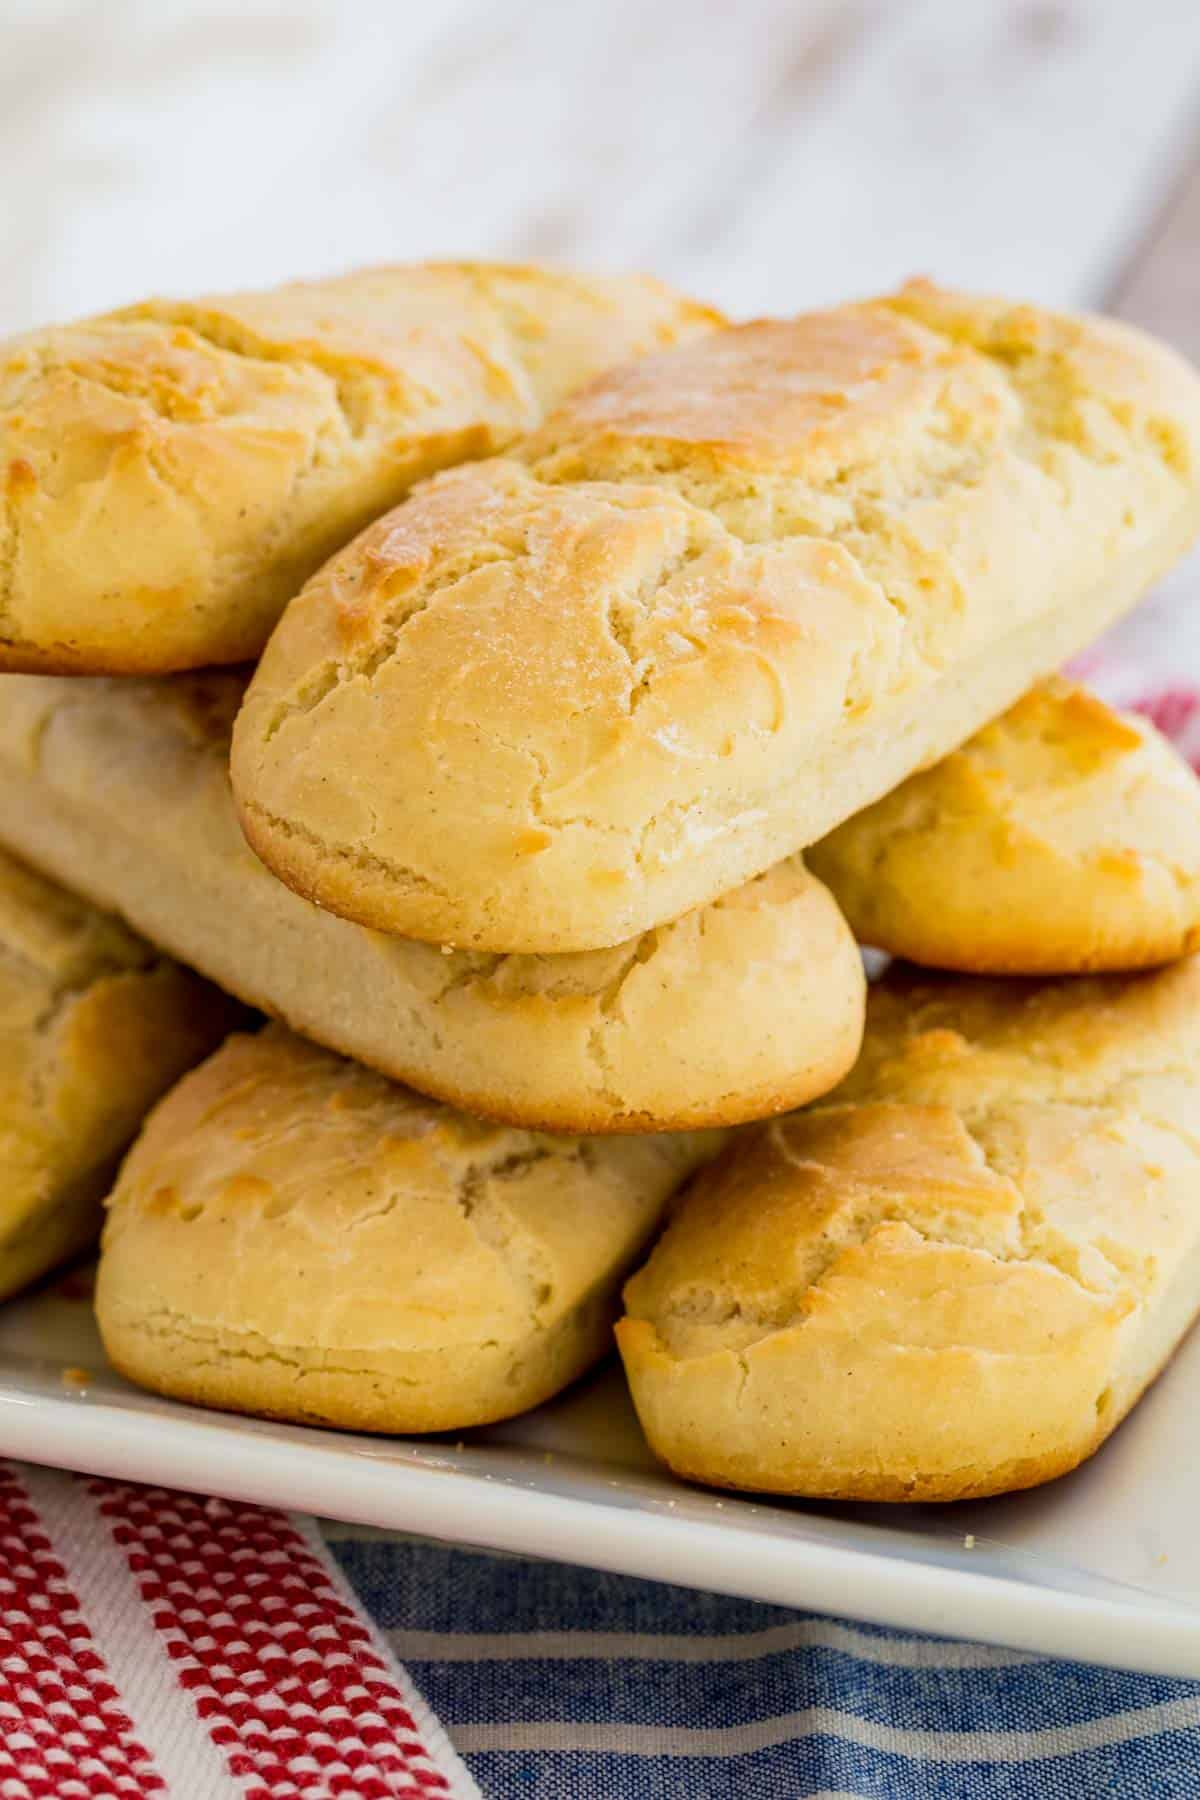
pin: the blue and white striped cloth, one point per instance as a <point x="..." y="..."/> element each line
<point x="559" y="1683"/>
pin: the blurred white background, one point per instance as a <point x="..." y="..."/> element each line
<point x="761" y="153"/>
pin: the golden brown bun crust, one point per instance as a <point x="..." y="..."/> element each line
<point x="955" y="1276"/>
<point x="726" y="597"/>
<point x="170" y="474"/>
<point x="293" y="1235"/>
<point x="122" y="788"/>
<point x="1063" y="838"/>
<point x="94" y="1026"/>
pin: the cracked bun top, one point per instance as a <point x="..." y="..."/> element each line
<point x="95" y="1025"/>
<point x="290" y="1212"/>
<point x="171" y="473"/>
<point x="1064" y="837"/>
<point x="724" y="597"/>
<point x="955" y="1274"/>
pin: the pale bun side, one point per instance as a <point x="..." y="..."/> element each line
<point x="122" y="788"/>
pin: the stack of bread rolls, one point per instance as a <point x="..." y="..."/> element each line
<point x="531" y="692"/>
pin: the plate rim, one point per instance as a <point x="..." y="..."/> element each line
<point x="316" y="1472"/>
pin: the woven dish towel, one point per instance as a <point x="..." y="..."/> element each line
<point x="160" y="1644"/>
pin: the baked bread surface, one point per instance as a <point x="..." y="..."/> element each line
<point x="1064" y="837"/>
<point x="94" y="1026"/>
<point x="293" y="1235"/>
<point x="173" y="472"/>
<point x="748" y="1007"/>
<point x="956" y="1276"/>
<point x="724" y="598"/>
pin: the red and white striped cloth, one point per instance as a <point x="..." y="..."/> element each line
<point x="157" y="1644"/>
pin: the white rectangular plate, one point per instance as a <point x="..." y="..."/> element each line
<point x="1103" y="1565"/>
